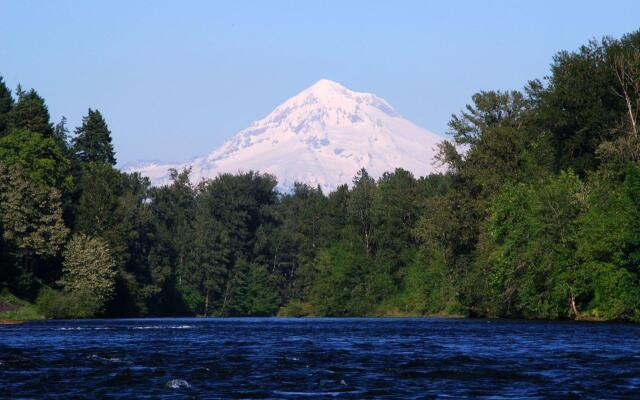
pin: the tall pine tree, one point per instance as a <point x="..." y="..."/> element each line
<point x="93" y="140"/>
<point x="6" y="104"/>
<point x="61" y="133"/>
<point x="30" y="113"/>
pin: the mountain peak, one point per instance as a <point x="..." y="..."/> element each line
<point x="322" y="136"/>
<point x="326" y="102"/>
<point x="325" y="85"/>
<point x="323" y="92"/>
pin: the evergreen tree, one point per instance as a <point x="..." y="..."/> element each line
<point x="6" y="104"/>
<point x="394" y="214"/>
<point x="61" y="133"/>
<point x="302" y="230"/>
<point x="172" y="214"/>
<point x="255" y="294"/>
<point x="92" y="142"/>
<point x="31" y="113"/>
<point x="360" y="206"/>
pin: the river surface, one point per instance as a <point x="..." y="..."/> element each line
<point x="285" y="358"/>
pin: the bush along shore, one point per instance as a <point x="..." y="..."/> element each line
<point x="535" y="215"/>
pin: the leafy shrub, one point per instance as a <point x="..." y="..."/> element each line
<point x="55" y="304"/>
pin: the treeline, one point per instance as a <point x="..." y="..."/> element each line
<point x="536" y="216"/>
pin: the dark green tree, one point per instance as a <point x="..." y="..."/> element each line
<point x="361" y="207"/>
<point x="172" y="209"/>
<point x="303" y="229"/>
<point x="31" y="113"/>
<point x="61" y="134"/>
<point x="229" y="212"/>
<point x="578" y="105"/>
<point x="92" y="142"/>
<point x="255" y="292"/>
<point x="6" y="104"/>
<point x="489" y="109"/>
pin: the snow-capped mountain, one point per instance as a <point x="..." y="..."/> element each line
<point x="322" y="136"/>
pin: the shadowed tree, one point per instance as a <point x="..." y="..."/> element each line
<point x="31" y="113"/>
<point x="93" y="140"/>
<point x="6" y="104"/>
<point x="61" y="133"/>
<point x="361" y="204"/>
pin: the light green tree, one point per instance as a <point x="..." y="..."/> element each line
<point x="31" y="215"/>
<point x="39" y="157"/>
<point x="89" y="272"/>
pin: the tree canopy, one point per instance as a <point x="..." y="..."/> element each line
<point x="92" y="142"/>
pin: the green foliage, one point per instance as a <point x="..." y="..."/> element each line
<point x="89" y="272"/>
<point x="30" y="215"/>
<point x="98" y="207"/>
<point x="530" y="245"/>
<point x="296" y="308"/>
<point x="41" y="158"/>
<point x="55" y="304"/>
<point x="229" y="212"/>
<point x="61" y="134"/>
<point x="490" y="109"/>
<point x="339" y="289"/>
<point x="255" y="294"/>
<point x="6" y="104"/>
<point x="24" y="311"/>
<point x="360" y="204"/>
<point x="114" y="206"/>
<point x="608" y="248"/>
<point x="348" y="282"/>
<point x="30" y="113"/>
<point x="577" y="105"/>
<point x="92" y="142"/>
<point x="394" y="212"/>
<point x="428" y="288"/>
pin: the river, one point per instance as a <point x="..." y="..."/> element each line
<point x="354" y="358"/>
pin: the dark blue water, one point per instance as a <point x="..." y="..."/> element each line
<point x="319" y="358"/>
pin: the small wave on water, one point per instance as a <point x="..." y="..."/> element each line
<point x="106" y="328"/>
<point x="162" y="327"/>
<point x="316" y="394"/>
<point x="178" y="384"/>
<point x="84" y="328"/>
<point x="95" y="357"/>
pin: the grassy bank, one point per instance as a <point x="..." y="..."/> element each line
<point x="21" y="310"/>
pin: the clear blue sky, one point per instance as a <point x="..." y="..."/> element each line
<point x="175" y="79"/>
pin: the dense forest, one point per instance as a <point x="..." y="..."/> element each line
<point x="536" y="216"/>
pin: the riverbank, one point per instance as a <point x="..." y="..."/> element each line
<point x="15" y="310"/>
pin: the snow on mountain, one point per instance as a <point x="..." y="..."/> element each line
<point x="322" y="136"/>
